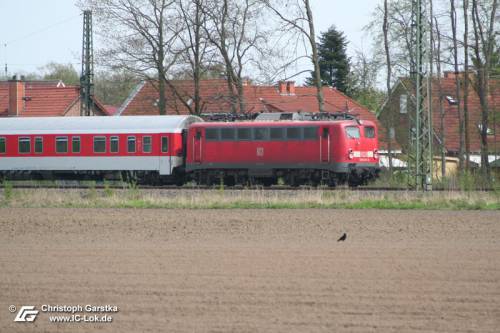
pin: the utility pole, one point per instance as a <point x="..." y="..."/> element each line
<point x="87" y="74"/>
<point x="420" y="121"/>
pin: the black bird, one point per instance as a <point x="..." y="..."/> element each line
<point x="342" y="238"/>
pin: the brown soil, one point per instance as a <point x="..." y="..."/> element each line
<point x="254" y="270"/>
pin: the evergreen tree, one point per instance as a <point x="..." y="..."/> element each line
<point x="333" y="61"/>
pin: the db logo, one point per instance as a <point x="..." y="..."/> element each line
<point x="260" y="151"/>
<point x="26" y="313"/>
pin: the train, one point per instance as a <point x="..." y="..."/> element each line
<point x="178" y="149"/>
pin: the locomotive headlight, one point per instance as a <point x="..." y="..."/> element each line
<point x="375" y="153"/>
<point x="351" y="154"/>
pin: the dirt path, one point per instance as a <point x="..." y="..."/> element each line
<point x="254" y="270"/>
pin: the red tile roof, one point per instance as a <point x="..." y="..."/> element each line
<point x="451" y="122"/>
<point x="42" y="98"/>
<point x="258" y="98"/>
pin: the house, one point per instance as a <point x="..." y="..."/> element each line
<point x="394" y="115"/>
<point x="21" y="98"/>
<point x="214" y="98"/>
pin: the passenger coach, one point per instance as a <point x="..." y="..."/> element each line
<point x="149" y="148"/>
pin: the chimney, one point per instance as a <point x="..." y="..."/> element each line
<point x="282" y="87"/>
<point x="290" y="87"/>
<point x="16" y="95"/>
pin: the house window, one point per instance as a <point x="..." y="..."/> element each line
<point x="99" y="144"/>
<point x="61" y="144"/>
<point x="403" y="105"/>
<point x="114" y="144"/>
<point x="75" y="144"/>
<point x="131" y="144"/>
<point x="164" y="144"/>
<point x="489" y="131"/>
<point x="38" y="145"/>
<point x="3" y="147"/>
<point x="146" y="144"/>
<point x="24" y="145"/>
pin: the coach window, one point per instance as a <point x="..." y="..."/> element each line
<point x="131" y="144"/>
<point x="75" y="144"/>
<point x="227" y="134"/>
<point x="352" y="132"/>
<point x="261" y="133"/>
<point x="212" y="134"/>
<point x="310" y="133"/>
<point x="146" y="144"/>
<point x="369" y="132"/>
<point x="244" y="134"/>
<point x="277" y="133"/>
<point x="164" y="144"/>
<point x="293" y="133"/>
<point x="61" y="144"/>
<point x="113" y="144"/>
<point x="38" y="145"/>
<point x="2" y="146"/>
<point x="99" y="144"/>
<point x="24" y="145"/>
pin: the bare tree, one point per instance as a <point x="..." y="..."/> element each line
<point x="141" y="36"/>
<point x="466" y="84"/>
<point x="297" y="16"/>
<point x="442" y="136"/>
<point x="483" y="22"/>
<point x="385" y="30"/>
<point x="453" y="18"/>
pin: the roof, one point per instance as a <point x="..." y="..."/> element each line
<point x="451" y="121"/>
<point x="258" y="98"/>
<point x="44" y="98"/>
<point x="144" y="124"/>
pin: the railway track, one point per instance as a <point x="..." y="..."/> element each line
<point x="126" y="186"/>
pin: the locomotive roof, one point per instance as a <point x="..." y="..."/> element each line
<point x="122" y="124"/>
<point x="285" y="123"/>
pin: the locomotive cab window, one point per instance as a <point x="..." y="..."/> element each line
<point x="164" y="144"/>
<point x="244" y="134"/>
<point x="99" y="144"/>
<point x="24" y="145"/>
<point x="369" y="132"/>
<point x="293" y="133"/>
<point x="146" y="144"/>
<point x="352" y="132"/>
<point x="131" y="144"/>
<point x="325" y="133"/>
<point x="261" y="133"/>
<point x="61" y="144"/>
<point x="38" y="145"/>
<point x="3" y="147"/>
<point x="113" y="144"/>
<point x="277" y="133"/>
<point x="310" y="133"/>
<point x="227" y="134"/>
<point x="212" y="134"/>
<point x="75" y="144"/>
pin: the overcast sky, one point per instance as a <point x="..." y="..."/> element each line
<point x="39" y="31"/>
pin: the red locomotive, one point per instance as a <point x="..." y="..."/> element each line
<point x="176" y="149"/>
<point x="299" y="152"/>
